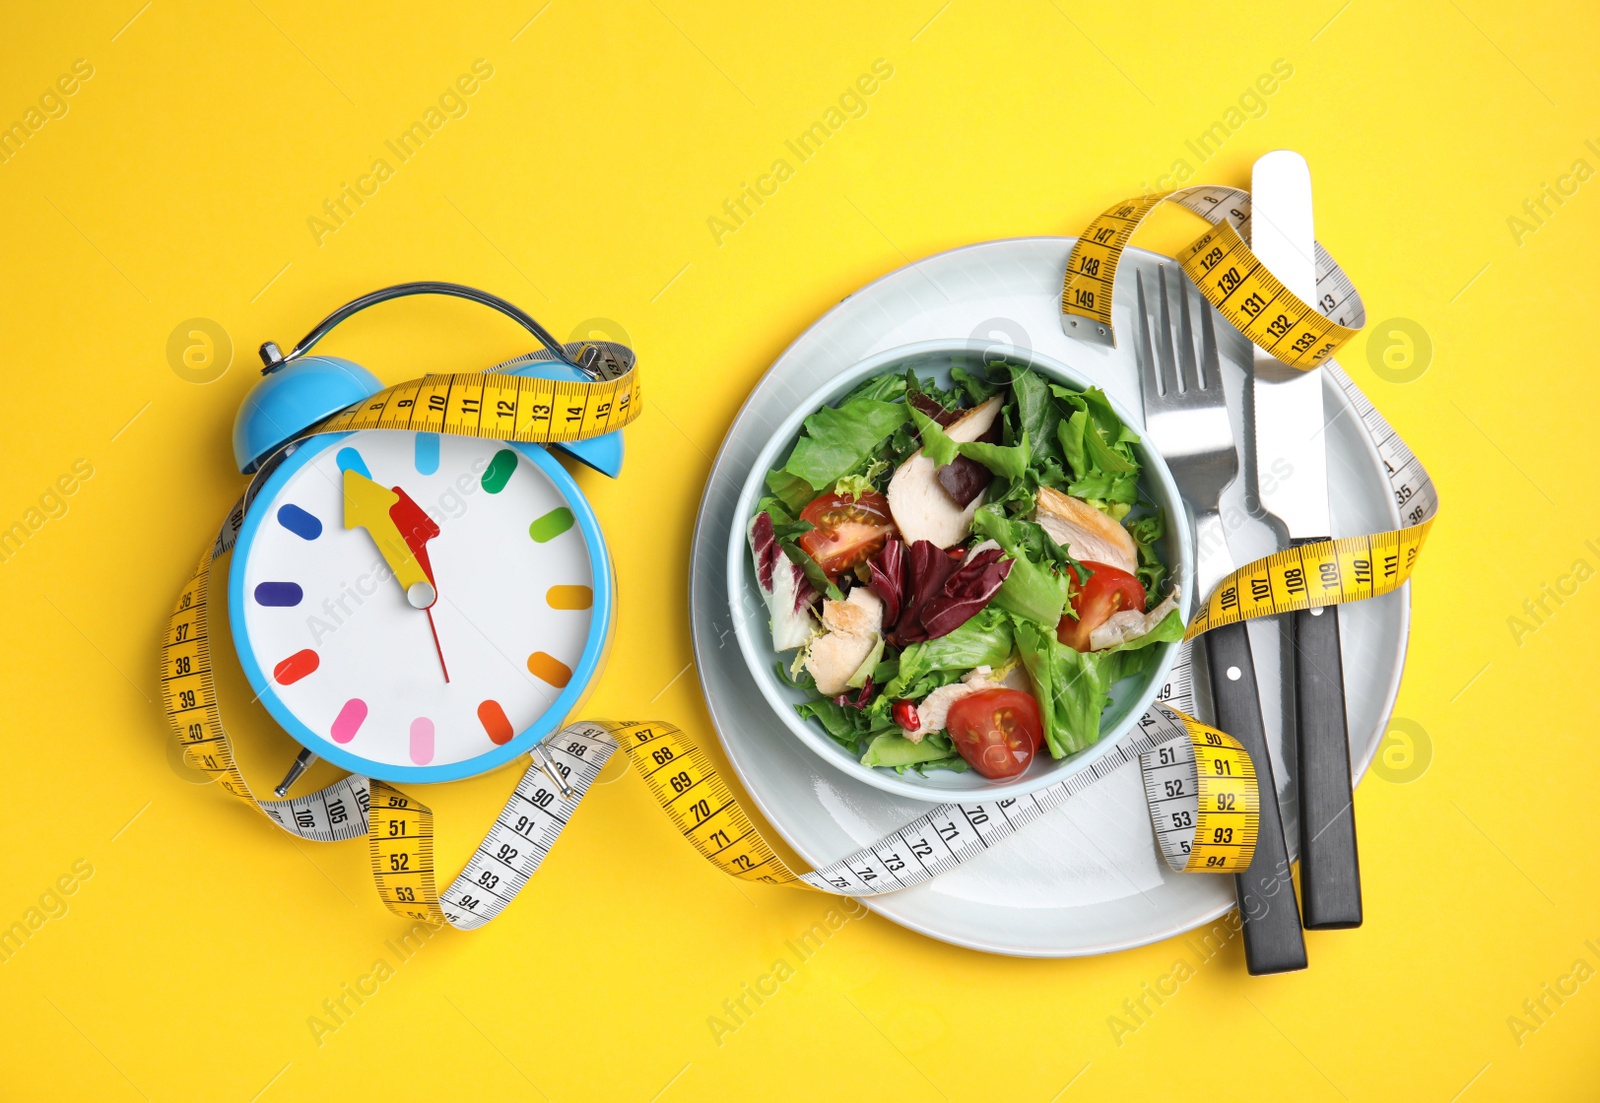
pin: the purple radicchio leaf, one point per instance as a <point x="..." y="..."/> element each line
<point x="888" y="578"/>
<point x="931" y="567"/>
<point x="859" y="701"/>
<point x="784" y="586"/>
<point x="764" y="548"/>
<point x="965" y="593"/>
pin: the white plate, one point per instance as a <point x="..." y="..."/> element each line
<point x="1086" y="878"/>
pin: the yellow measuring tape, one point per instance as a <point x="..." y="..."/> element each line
<point x="495" y="406"/>
<point x="1200" y="783"/>
<point x="1305" y="336"/>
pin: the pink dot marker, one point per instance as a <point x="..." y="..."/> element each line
<point x="422" y="741"/>
<point x="349" y="720"/>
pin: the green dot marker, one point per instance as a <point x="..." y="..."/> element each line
<point x="551" y="525"/>
<point x="498" y="473"/>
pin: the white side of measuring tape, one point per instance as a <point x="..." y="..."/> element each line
<point x="934" y="843"/>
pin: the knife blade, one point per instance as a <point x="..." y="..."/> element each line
<point x="1291" y="445"/>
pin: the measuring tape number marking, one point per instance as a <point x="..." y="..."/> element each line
<point x="496" y="406"/>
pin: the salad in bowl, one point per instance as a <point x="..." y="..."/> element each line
<point x="962" y="565"/>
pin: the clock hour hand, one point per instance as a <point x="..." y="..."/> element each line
<point x="401" y="530"/>
<point x="367" y="505"/>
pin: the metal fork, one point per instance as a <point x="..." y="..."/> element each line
<point x="1186" y="420"/>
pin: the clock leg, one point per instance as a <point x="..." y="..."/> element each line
<point x="302" y="762"/>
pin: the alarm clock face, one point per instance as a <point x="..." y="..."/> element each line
<point x="417" y="606"/>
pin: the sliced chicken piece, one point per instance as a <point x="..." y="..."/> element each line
<point x="1129" y="625"/>
<point x="933" y="712"/>
<point x="922" y="509"/>
<point x="853" y="628"/>
<point x="1087" y="533"/>
<point x="860" y="614"/>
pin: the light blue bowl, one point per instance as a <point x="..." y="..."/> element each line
<point x="1130" y="697"/>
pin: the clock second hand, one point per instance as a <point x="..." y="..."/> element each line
<point x="439" y="650"/>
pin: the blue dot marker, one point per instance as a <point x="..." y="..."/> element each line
<point x="299" y="522"/>
<point x="349" y="459"/>
<point x="280" y="594"/>
<point x="427" y="457"/>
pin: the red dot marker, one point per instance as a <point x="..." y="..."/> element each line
<point x="295" y="667"/>
<point x="494" y="721"/>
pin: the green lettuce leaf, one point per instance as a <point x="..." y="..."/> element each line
<point x="936" y="443"/>
<point x="844" y="724"/>
<point x="985" y="640"/>
<point x="1036" y="414"/>
<point x="1007" y="461"/>
<point x="851" y="728"/>
<point x="856" y="484"/>
<point x="792" y="492"/>
<point x="977" y="387"/>
<point x="1147" y="532"/>
<point x="884" y="388"/>
<point x="1032" y="591"/>
<point x="1072" y="687"/>
<point x="838" y="439"/>
<point x="1098" y="449"/>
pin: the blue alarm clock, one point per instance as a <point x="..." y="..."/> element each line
<point x="415" y="606"/>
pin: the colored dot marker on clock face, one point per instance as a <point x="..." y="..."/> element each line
<point x="498" y="473"/>
<point x="569" y="597"/>
<point x="296" y="666"/>
<point x="546" y="528"/>
<point x="427" y="453"/>
<point x="299" y="522"/>
<point x="494" y="721"/>
<point x="349" y="459"/>
<point x="349" y="720"/>
<point x="281" y="594"/>
<point x="548" y="668"/>
<point x="422" y="741"/>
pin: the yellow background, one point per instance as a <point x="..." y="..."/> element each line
<point x="580" y="183"/>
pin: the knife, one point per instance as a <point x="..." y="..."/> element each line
<point x="1289" y="442"/>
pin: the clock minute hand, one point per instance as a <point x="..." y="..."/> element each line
<point x="417" y="528"/>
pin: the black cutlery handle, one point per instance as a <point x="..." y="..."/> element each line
<point x="1272" y="939"/>
<point x="1330" y="872"/>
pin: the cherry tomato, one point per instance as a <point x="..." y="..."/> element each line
<point x="847" y="530"/>
<point x="1109" y="590"/>
<point x="996" y="730"/>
